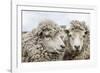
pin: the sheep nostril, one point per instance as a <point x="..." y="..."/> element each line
<point x="77" y="47"/>
<point x="62" y="46"/>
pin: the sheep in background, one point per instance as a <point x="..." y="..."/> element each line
<point x="78" y="43"/>
<point x="43" y="44"/>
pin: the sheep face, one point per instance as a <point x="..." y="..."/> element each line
<point x="51" y="37"/>
<point x="52" y="40"/>
<point x="76" y="39"/>
<point x="76" y="36"/>
<point x="54" y="44"/>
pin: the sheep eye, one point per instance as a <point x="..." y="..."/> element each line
<point x="70" y="35"/>
<point x="86" y="32"/>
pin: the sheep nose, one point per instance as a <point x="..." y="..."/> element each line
<point x="62" y="46"/>
<point x="77" y="47"/>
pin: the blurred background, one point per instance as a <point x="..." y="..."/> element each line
<point x="32" y="18"/>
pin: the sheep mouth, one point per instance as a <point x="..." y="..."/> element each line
<point x="76" y="51"/>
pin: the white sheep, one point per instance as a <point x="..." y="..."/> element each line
<point x="78" y="43"/>
<point x="43" y="44"/>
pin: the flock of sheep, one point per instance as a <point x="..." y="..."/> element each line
<point x="52" y="42"/>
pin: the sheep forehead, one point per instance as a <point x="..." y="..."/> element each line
<point x="77" y="28"/>
<point x="51" y="31"/>
<point x="77" y="32"/>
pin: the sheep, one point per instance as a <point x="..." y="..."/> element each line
<point x="78" y="42"/>
<point x="43" y="44"/>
